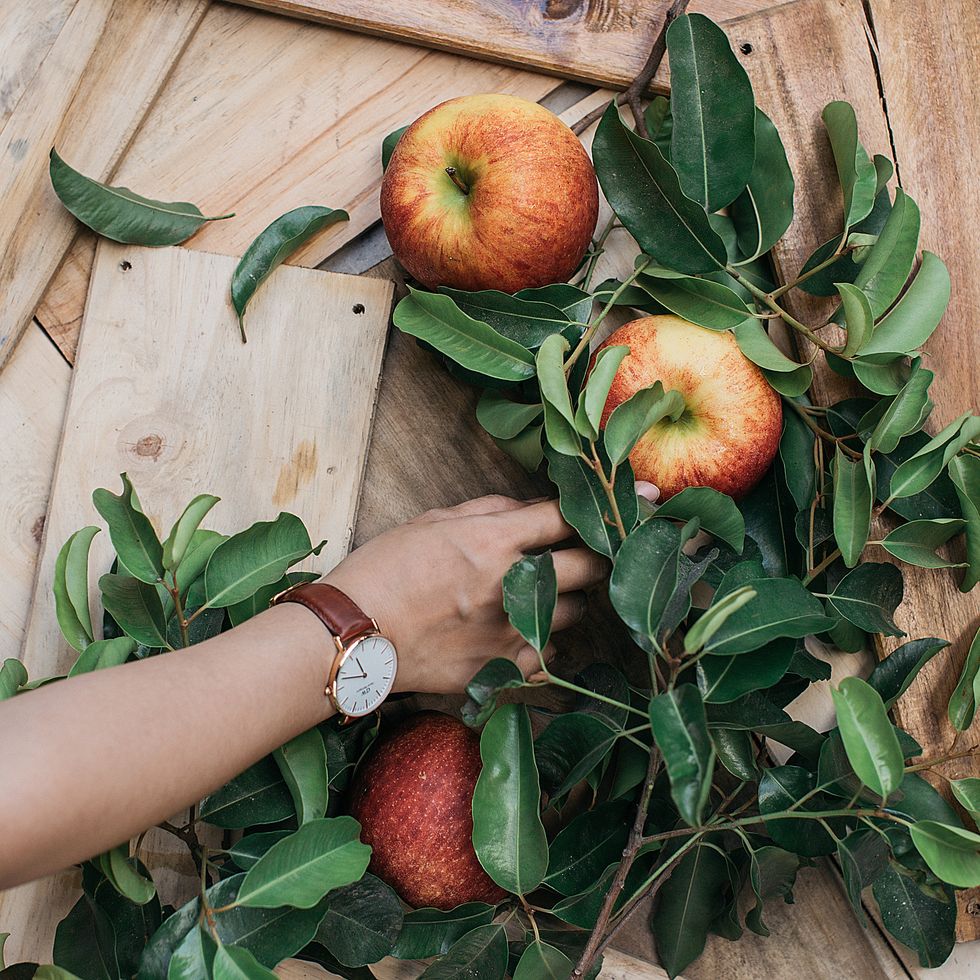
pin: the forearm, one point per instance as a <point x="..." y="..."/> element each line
<point x="86" y="764"/>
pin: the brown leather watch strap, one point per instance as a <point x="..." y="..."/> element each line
<point x="338" y="612"/>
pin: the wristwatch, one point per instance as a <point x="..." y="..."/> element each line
<point x="363" y="670"/>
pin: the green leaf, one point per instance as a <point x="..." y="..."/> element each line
<point x="559" y="418"/>
<point x="964" y="471"/>
<point x="966" y="694"/>
<point x="525" y="448"/>
<point x="570" y="748"/>
<point x="71" y="589"/>
<point x="644" y="191"/>
<point x="905" y="414"/>
<point x="772" y="874"/>
<point x="586" y="847"/>
<point x="431" y="932"/>
<point x="303" y="764"/>
<point x="782" y="607"/>
<point x="883" y="379"/>
<point x="633" y="418"/>
<point x="796" y="456"/>
<point x="702" y="301"/>
<point x="194" y="957"/>
<point x="236" y="963"/>
<point x="724" y="679"/>
<point x="388" y="145"/>
<point x="120" y="214"/>
<point x="273" y="245"/>
<point x="952" y="853"/>
<point x="593" y="399"/>
<point x="253" y="558"/>
<point x="202" y="546"/>
<point x="508" y="836"/>
<point x="863" y="856"/>
<point x="254" y="797"/>
<point x="859" y="318"/>
<point x="480" y="954"/>
<point x="584" y="504"/>
<point x="298" y="871"/>
<point x="644" y="575"/>
<point x="868" y="736"/>
<point x="715" y="616"/>
<point x="499" y="674"/>
<point x="920" y="470"/>
<point x="136" y="607"/>
<point x="856" y="172"/>
<point x="131" y="532"/>
<point x="764" y="210"/>
<point x="476" y="346"/>
<point x="686" y="906"/>
<point x="713" y="136"/>
<point x="715" y="511"/>
<point x="530" y="593"/>
<point x="125" y="877"/>
<point x="967" y="791"/>
<point x="756" y="345"/>
<point x="362" y="922"/>
<point x="271" y="935"/>
<point x="916" y="919"/>
<point x="249" y="849"/>
<point x="853" y="498"/>
<point x="527" y="322"/>
<point x="182" y="533"/>
<point x="503" y="418"/>
<point x="680" y="729"/>
<point x="575" y="303"/>
<point x="886" y="269"/>
<point x="736" y="752"/>
<point x="916" y="542"/>
<point x="868" y="597"/>
<point x="779" y="789"/>
<point x="892" y="676"/>
<point x="52" y="973"/>
<point x="539" y="961"/>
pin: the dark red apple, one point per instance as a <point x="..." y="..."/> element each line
<point x="729" y="432"/>
<point x="413" y="797"/>
<point x="489" y="192"/>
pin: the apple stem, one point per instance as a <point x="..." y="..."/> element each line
<point x="457" y="180"/>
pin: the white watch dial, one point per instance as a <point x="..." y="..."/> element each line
<point x="366" y="676"/>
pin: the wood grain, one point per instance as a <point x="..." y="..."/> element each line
<point x="264" y="114"/>
<point x="165" y="391"/>
<point x="88" y="96"/>
<point x="601" y="41"/>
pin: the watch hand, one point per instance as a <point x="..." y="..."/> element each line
<point x="360" y="665"/>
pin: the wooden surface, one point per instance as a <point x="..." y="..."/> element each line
<point x="264" y="114"/>
<point x="87" y="96"/>
<point x="165" y="390"/>
<point x="943" y="42"/>
<point x="601" y="41"/>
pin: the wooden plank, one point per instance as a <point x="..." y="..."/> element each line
<point x="88" y="96"/>
<point x="300" y="122"/>
<point x="842" y="66"/>
<point x="605" y="43"/>
<point x="165" y="391"/>
<point x="931" y="160"/>
<point x="33" y="392"/>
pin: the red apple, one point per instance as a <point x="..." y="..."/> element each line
<point x="413" y="798"/>
<point x="489" y="192"/>
<point x="728" y="435"/>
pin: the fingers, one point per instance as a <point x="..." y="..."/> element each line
<point x="538" y="525"/>
<point x="493" y="503"/>
<point x="579" y="568"/>
<point x="569" y="610"/>
<point x="529" y="662"/>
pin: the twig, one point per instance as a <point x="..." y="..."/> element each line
<point x="634" y="93"/>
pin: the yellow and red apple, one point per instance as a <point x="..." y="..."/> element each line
<point x="729" y="432"/>
<point x="489" y="192"/>
<point x="414" y="800"/>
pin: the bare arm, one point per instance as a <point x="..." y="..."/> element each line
<point x="90" y="762"/>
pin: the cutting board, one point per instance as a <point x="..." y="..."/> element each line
<point x="263" y="114"/>
<point x="85" y="89"/>
<point x="601" y="41"/>
<point x="166" y="391"/>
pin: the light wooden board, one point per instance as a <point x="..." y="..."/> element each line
<point x="165" y="390"/>
<point x="605" y="43"/>
<point x="264" y="114"/>
<point x="87" y="96"/>
<point x="843" y="67"/>
<point x="33" y="392"/>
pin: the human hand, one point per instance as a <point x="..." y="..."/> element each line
<point x="434" y="587"/>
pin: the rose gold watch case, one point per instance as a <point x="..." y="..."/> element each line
<point x="343" y="654"/>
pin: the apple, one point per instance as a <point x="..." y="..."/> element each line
<point x="489" y="192"/>
<point x="729" y="433"/>
<point x="414" y="800"/>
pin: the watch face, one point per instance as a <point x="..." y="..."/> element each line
<point x="366" y="676"/>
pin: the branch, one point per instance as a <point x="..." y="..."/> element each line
<point x="633" y="95"/>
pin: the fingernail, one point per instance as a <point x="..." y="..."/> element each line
<point x="648" y="490"/>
